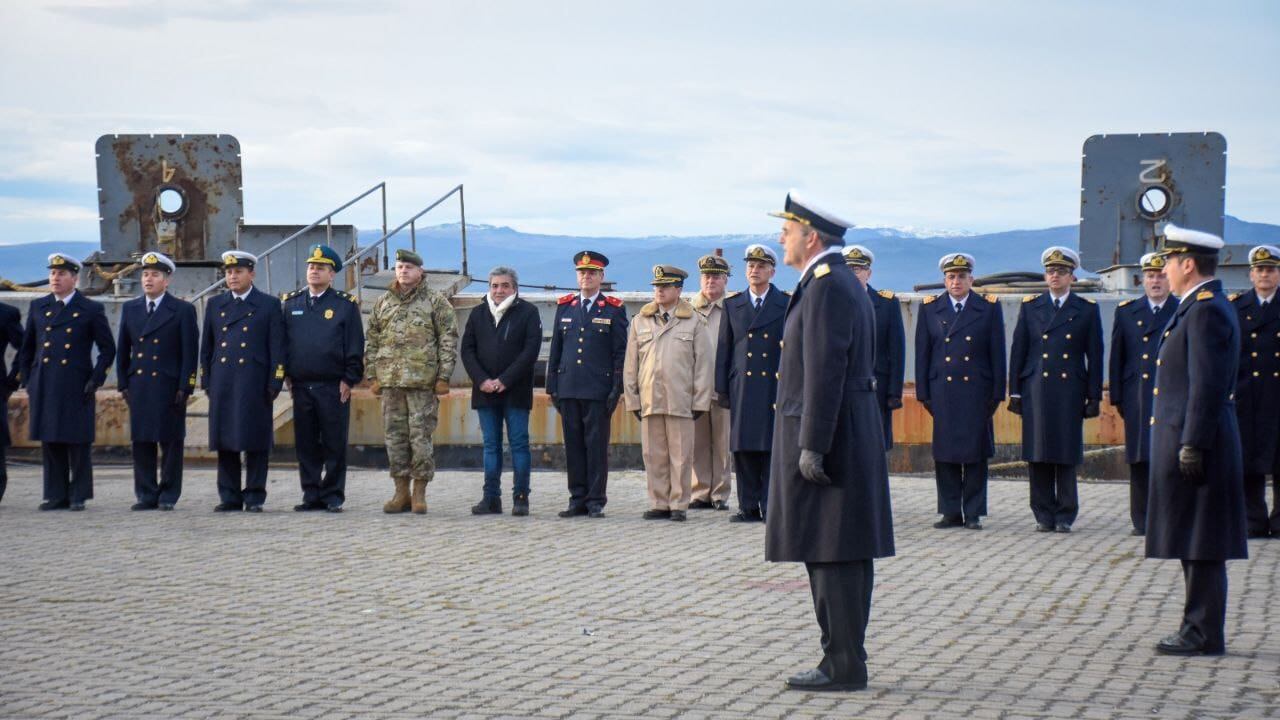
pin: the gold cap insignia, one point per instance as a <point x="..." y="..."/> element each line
<point x="151" y="259"/>
<point x="231" y="260"/>
<point x="58" y="260"/>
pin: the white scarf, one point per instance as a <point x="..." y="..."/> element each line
<point x="499" y="310"/>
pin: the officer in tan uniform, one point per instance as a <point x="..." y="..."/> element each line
<point x="711" y="479"/>
<point x="667" y="381"/>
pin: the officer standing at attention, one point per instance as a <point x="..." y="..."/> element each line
<point x="62" y="380"/>
<point x="10" y="334"/>
<point x="242" y="356"/>
<point x="1195" y="512"/>
<point x="747" y="357"/>
<point x="1055" y="382"/>
<point x="1135" y="342"/>
<point x="891" y="339"/>
<point x="711" y="479"/>
<point x="156" y="374"/>
<point x="960" y="371"/>
<point x="324" y="339"/>
<point x="1258" y="389"/>
<point x="584" y="380"/>
<point x="829" y="496"/>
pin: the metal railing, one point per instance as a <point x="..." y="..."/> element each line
<point x="264" y="259"/>
<point x="411" y="223"/>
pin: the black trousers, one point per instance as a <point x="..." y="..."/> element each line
<point x="1255" y="503"/>
<point x="1054" y="499"/>
<point x="842" y="603"/>
<point x="320" y="424"/>
<point x="752" y="471"/>
<point x="68" y="472"/>
<point x="1204" y="616"/>
<point x="586" y="449"/>
<point x="255" y="480"/>
<point x="962" y="489"/>
<point x="4" y="473"/>
<point x="145" y="487"/>
<point x="1139" y="478"/>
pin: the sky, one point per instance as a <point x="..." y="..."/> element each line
<point x="634" y="118"/>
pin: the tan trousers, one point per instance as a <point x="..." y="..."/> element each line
<point x="666" y="442"/>
<point x="711" y="456"/>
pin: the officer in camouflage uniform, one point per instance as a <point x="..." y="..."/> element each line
<point x="411" y="345"/>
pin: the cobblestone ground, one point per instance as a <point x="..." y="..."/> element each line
<point x="114" y="614"/>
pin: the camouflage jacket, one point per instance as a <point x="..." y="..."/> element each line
<point x="412" y="339"/>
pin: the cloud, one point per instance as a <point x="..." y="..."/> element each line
<point x="152" y="13"/>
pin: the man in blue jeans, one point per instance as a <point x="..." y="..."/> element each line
<point x="499" y="347"/>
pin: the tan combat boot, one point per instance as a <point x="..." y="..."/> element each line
<point x="419" y="496"/>
<point x="399" y="503"/>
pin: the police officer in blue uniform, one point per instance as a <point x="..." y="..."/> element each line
<point x="1258" y="389"/>
<point x="891" y="339"/>
<point x="325" y="349"/>
<point x="10" y="334"/>
<point x="1195" y="511"/>
<point x="1055" y="382"/>
<point x="747" y="356"/>
<point x="62" y="379"/>
<point x="960" y="371"/>
<point x="242" y="354"/>
<point x="1135" y="342"/>
<point x="584" y="380"/>
<point x="156" y="373"/>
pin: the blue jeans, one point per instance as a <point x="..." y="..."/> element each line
<point x="517" y="421"/>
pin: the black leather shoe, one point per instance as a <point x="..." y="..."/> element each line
<point x="1176" y="644"/>
<point x="656" y="515"/>
<point x="817" y="681"/>
<point x="719" y="505"/>
<point x="46" y="505"/>
<point x="1137" y="532"/>
<point x="1258" y="534"/>
<point x="595" y="513"/>
<point x="679" y="515"/>
<point x="142" y="506"/>
<point x="1063" y="528"/>
<point x="519" y="505"/>
<point x="1041" y="527"/>
<point x="253" y="508"/>
<point x="166" y="507"/>
<point x="76" y="507"/>
<point x="949" y="521"/>
<point x="572" y="512"/>
<point x="745" y="516"/>
<point x="308" y="507"/>
<point x="228" y="507"/>
<point x="335" y="508"/>
<point x="974" y="524"/>
<point x="700" y="505"/>
<point x="487" y="506"/>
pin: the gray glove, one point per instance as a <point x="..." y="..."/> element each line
<point x="811" y="468"/>
<point x="1191" y="463"/>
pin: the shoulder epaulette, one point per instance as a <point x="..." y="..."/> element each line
<point x="1028" y="298"/>
<point x="733" y="294"/>
<point x="1091" y="301"/>
<point x="929" y="298"/>
<point x="821" y="270"/>
<point x="285" y="295"/>
<point x="992" y="298"/>
<point x="1125" y="302"/>
<point x="787" y="293"/>
<point x="1204" y="294"/>
<point x="886" y="294"/>
<point x="616" y="302"/>
<point x="1234" y="296"/>
<point x="566" y="299"/>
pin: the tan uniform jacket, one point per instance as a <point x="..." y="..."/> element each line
<point x="669" y="367"/>
<point x="713" y="313"/>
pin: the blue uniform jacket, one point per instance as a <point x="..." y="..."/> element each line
<point x="747" y="356"/>
<point x="10" y="334"/>
<point x="1135" y="340"/>
<point x="242" y="356"/>
<point x="57" y="361"/>
<point x="1258" y="382"/>
<point x="324" y="343"/>
<point x="891" y="354"/>
<point x="587" y="349"/>
<point x="158" y="357"/>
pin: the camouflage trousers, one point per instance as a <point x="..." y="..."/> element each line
<point x="408" y="420"/>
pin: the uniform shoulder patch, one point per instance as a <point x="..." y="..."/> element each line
<point x="1234" y="297"/>
<point x="992" y="298"/>
<point x="929" y="298"/>
<point x="733" y="294"/>
<point x="886" y="294"/>
<point x="821" y="270"/>
<point x="1204" y="294"/>
<point x="616" y="302"/>
<point x="1125" y="302"/>
<point x="1091" y="301"/>
<point x="1028" y="298"/>
<point x="566" y="299"/>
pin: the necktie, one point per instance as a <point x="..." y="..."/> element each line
<point x="959" y="307"/>
<point x="239" y="299"/>
<point x="58" y="305"/>
<point x="311" y="302"/>
<point x="665" y="317"/>
<point x="1057" y="303"/>
<point x="759" y="302"/>
<point x="1156" y="310"/>
<point x="151" y="307"/>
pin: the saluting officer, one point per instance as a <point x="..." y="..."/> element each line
<point x="324" y="340"/>
<point x="747" y="358"/>
<point x="62" y="379"/>
<point x="1196" y="507"/>
<point x="1055" y="382"/>
<point x="1135" y="342"/>
<point x="584" y="380"/>
<point x="10" y="334"/>
<point x="156" y="374"/>
<point x="242" y="355"/>
<point x="711" y="480"/>
<point x="1258" y="389"/>
<point x="960" y="370"/>
<point x="891" y="339"/>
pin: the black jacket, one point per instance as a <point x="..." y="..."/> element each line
<point x="10" y="334"/>
<point x="506" y="352"/>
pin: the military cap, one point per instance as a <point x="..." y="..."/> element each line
<point x="158" y="261"/>
<point x="858" y="256"/>
<point x="713" y="265"/>
<point x="408" y="256"/>
<point x="956" y="261"/>
<point x="1152" y="261"/>
<point x="1178" y="240"/>
<point x="238" y="258"/>
<point x="62" y="261"/>
<point x="324" y="255"/>
<point x="761" y="253"/>
<point x="668" y="275"/>
<point x="1058" y="256"/>
<point x="1264" y="256"/>
<point x="590" y="260"/>
<point x="805" y="211"/>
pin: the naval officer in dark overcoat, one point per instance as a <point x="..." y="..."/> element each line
<point x="747" y="356"/>
<point x="156" y="373"/>
<point x="891" y="338"/>
<point x="242" y="355"/>
<point x="829" y="486"/>
<point x="1055" y="382"/>
<point x="1258" y="389"/>
<point x="1195" y="512"/>
<point x="324" y="337"/>
<point x="10" y="334"/>
<point x="62" y="378"/>
<point x="960" y="370"/>
<point x="1135" y="341"/>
